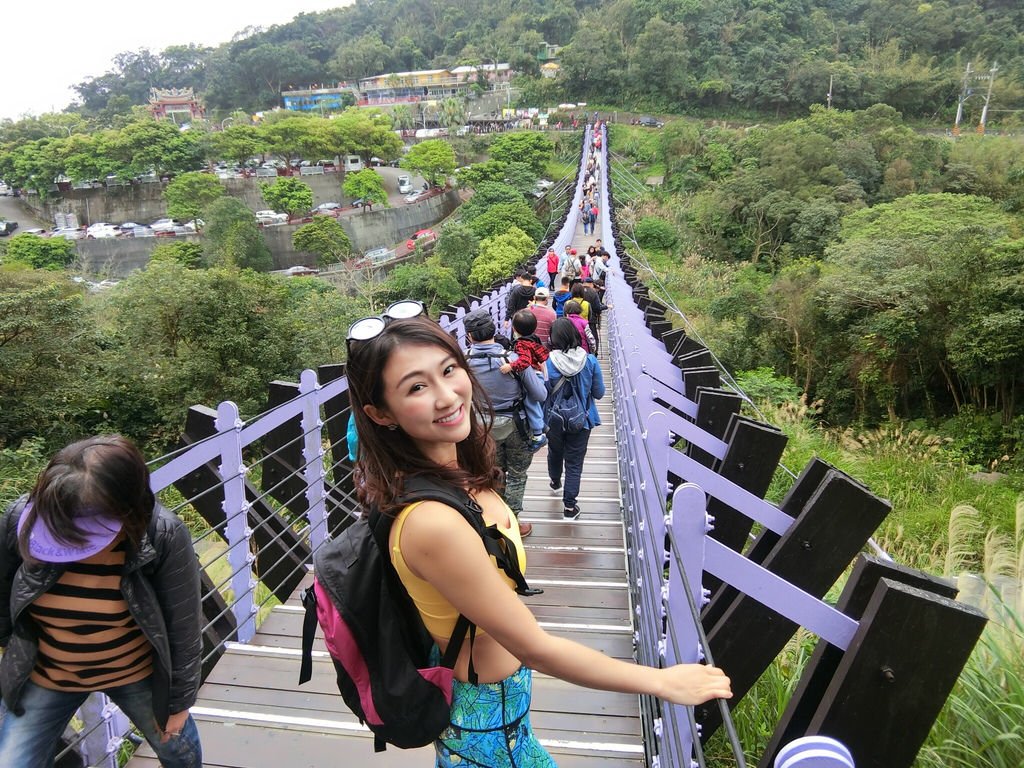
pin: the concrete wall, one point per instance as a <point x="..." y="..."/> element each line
<point x="383" y="226"/>
<point x="144" y="203"/>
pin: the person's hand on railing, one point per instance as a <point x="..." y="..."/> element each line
<point x="692" y="684"/>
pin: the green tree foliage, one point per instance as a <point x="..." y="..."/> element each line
<point x="232" y="238"/>
<point x="158" y="146"/>
<point x="194" y="336"/>
<point x="188" y="194"/>
<point x="434" y="159"/>
<point x="366" y="184"/>
<point x="499" y="217"/>
<point x="53" y="253"/>
<point x="184" y="253"/>
<point x="430" y="282"/>
<point x="456" y="248"/>
<point x="529" y="147"/>
<point x="499" y="257"/>
<point x="292" y="137"/>
<point x="930" y="281"/>
<point x="489" y="193"/>
<point x="651" y="232"/>
<point x="48" y="349"/>
<point x="325" y="238"/>
<point x="238" y="143"/>
<point x="288" y="194"/>
<point x="358" y="132"/>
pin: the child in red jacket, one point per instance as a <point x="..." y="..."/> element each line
<point x="530" y="360"/>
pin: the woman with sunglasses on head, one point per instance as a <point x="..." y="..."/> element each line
<point x="99" y="591"/>
<point x="419" y="412"/>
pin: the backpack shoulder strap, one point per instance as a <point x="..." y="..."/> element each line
<point x="421" y="488"/>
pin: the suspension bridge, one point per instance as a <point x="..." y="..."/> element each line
<point x="676" y="558"/>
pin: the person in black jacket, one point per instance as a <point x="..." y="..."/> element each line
<point x="99" y="591"/>
<point x="519" y="296"/>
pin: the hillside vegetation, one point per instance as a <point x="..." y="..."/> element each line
<point x="714" y="55"/>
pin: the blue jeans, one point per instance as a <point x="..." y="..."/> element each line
<point x="534" y="416"/>
<point x="30" y="741"/>
<point x="566" y="451"/>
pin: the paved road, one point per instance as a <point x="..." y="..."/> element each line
<point x="11" y="209"/>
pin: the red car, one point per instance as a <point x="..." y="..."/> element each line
<point x="423" y="236"/>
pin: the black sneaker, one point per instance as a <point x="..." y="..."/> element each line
<point x="555" y="485"/>
<point x="571" y="513"/>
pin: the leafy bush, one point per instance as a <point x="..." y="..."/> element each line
<point x="764" y="385"/>
<point x="655" y="233"/>
<point x="40" y="253"/>
<point x="499" y="257"/>
<point x="977" y="436"/>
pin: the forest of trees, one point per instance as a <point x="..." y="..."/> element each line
<point x="668" y="55"/>
<point x="880" y="269"/>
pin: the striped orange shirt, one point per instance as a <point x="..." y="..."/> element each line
<point x="88" y="639"/>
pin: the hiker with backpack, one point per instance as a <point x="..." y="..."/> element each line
<point x="573" y="313"/>
<point x="508" y="395"/>
<point x="532" y="354"/>
<point x="574" y="384"/>
<point x="416" y="404"/>
<point x="99" y="591"/>
<point x="562" y="295"/>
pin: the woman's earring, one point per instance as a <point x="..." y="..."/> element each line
<point x="392" y="427"/>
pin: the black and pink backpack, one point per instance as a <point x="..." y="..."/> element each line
<point x="380" y="648"/>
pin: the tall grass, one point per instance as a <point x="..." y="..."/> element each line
<point x="982" y="724"/>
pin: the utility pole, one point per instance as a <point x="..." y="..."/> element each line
<point x="988" y="96"/>
<point x="829" y="97"/>
<point x="965" y="91"/>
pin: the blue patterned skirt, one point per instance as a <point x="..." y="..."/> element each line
<point x="490" y="726"/>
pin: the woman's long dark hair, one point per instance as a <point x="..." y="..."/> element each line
<point x="564" y="336"/>
<point x="387" y="456"/>
<point x="106" y="473"/>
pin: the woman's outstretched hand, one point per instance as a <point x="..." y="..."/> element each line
<point x="694" y="684"/>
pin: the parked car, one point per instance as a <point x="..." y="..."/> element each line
<point x="128" y="226"/>
<point x="327" y="207"/>
<point x="379" y="255"/>
<point x="404" y="184"/>
<point x="68" y="233"/>
<point x="422" y="236"/>
<point x="141" y="231"/>
<point x="271" y="217"/>
<point x="164" y="225"/>
<point x="359" y="203"/>
<point x="649" y="122"/>
<point x="7" y="227"/>
<point x="102" y="231"/>
<point x="301" y="272"/>
<point x="414" y="196"/>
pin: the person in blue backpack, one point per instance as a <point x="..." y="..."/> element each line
<point x="420" y="413"/>
<point x="570" y="366"/>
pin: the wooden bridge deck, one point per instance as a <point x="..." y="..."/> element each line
<point x="252" y="713"/>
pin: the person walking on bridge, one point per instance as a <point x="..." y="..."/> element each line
<point x="420" y="411"/>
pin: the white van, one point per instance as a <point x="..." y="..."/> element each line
<point x="352" y="163"/>
<point x="404" y="184"/>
